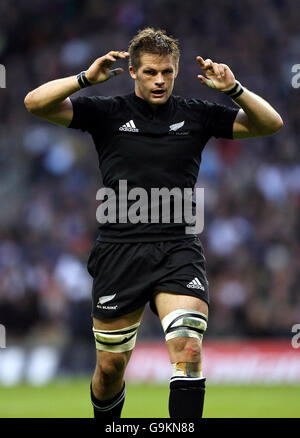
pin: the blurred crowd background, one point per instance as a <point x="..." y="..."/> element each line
<point x="49" y="174"/>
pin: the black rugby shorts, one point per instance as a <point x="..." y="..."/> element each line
<point x="127" y="275"/>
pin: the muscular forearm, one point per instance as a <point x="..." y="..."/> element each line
<point x="47" y="96"/>
<point x="261" y="115"/>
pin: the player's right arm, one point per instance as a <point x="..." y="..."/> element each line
<point x="51" y="101"/>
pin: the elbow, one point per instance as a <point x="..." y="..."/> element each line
<point x="274" y="126"/>
<point x="28" y="102"/>
<point x="278" y="124"/>
<point x="31" y="104"/>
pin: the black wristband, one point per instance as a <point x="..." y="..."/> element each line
<point x="234" y="96"/>
<point x="235" y="91"/>
<point x="232" y="90"/>
<point x="82" y="80"/>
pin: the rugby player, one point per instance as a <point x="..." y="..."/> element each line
<point x="150" y="139"/>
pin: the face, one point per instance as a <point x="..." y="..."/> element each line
<point x="154" y="79"/>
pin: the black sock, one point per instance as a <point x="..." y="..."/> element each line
<point x="186" y="397"/>
<point x="108" y="408"/>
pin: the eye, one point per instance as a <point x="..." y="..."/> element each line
<point x="150" y="72"/>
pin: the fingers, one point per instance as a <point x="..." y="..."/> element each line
<point x="202" y="79"/>
<point x="205" y="65"/>
<point x="222" y="70"/>
<point x="117" y="54"/>
<point x="101" y="69"/>
<point x="208" y="66"/>
<point x="201" y="61"/>
<point x="112" y="57"/>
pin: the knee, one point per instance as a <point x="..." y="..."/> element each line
<point x="184" y="331"/>
<point x="185" y="349"/>
<point x="110" y="368"/>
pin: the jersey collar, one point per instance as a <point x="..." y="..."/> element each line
<point x="161" y="112"/>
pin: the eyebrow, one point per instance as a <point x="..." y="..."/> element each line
<point x="154" y="70"/>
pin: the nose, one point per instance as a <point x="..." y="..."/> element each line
<point x="159" y="80"/>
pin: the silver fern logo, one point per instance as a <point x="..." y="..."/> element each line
<point x="176" y="126"/>
<point x="106" y="299"/>
<point x="175" y="129"/>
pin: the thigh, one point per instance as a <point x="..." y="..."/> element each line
<point x="166" y="302"/>
<point x="122" y="322"/>
<point x="119" y="322"/>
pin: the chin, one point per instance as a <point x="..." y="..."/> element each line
<point x="154" y="101"/>
<point x="158" y="103"/>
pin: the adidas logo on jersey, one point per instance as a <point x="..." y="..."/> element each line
<point x="195" y="284"/>
<point x="129" y="127"/>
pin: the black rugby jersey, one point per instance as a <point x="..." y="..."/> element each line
<point x="149" y="149"/>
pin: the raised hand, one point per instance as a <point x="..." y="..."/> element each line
<point x="218" y="76"/>
<point x="100" y="70"/>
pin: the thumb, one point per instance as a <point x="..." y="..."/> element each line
<point x="115" y="72"/>
<point x="208" y="82"/>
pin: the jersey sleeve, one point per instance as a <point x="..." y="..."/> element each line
<point x="219" y="120"/>
<point x="90" y="113"/>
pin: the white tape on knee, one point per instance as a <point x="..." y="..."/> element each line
<point x="116" y="341"/>
<point x="184" y="323"/>
<point x="185" y="374"/>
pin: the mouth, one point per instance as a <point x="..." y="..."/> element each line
<point x="158" y="93"/>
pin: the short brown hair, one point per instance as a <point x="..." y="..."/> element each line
<point x="153" y="41"/>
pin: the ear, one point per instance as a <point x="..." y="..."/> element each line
<point x="132" y="72"/>
<point x="176" y="68"/>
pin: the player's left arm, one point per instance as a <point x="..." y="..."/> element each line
<point x="256" y="116"/>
